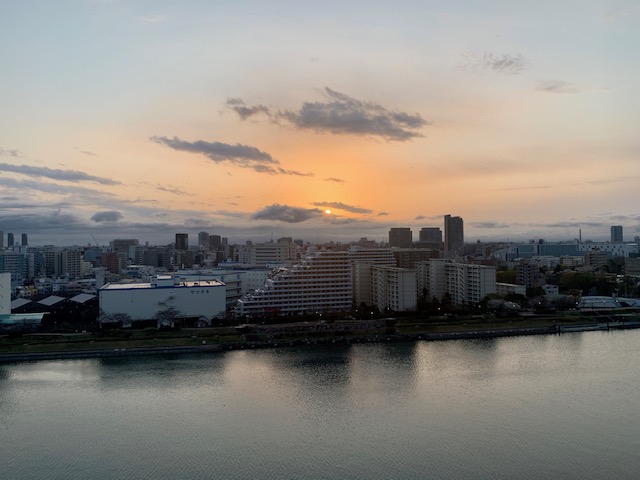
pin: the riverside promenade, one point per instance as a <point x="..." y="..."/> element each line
<point x="306" y="333"/>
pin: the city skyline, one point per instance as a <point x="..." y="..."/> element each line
<point x="333" y="121"/>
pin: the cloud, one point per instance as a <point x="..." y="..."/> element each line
<point x="420" y="217"/>
<point x="334" y="179"/>
<point x="556" y="86"/>
<point x="533" y="187"/>
<point x="172" y="189"/>
<point x="244" y="112"/>
<point x="87" y="152"/>
<point x="243" y="156"/>
<point x="383" y="214"/>
<point x="13" y="152"/>
<point x="286" y="213"/>
<point x="56" y="174"/>
<point x="488" y="225"/>
<point x="342" y="114"/>
<point x="507" y="63"/>
<point x="107" y="216"/>
<point x="342" y="206"/>
<point x="152" y="18"/>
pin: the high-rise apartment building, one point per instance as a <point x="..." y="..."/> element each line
<point x="431" y="235"/>
<point x="453" y="233"/>
<point x="182" y="241"/>
<point x="1" y="239"/>
<point x="320" y="284"/>
<point x="400" y="237"/>
<point x="9" y="240"/>
<point x="464" y="282"/>
<point x="616" y="234"/>
<point x="24" y="240"/>
<point x="393" y="288"/>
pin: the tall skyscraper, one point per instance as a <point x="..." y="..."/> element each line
<point x="24" y="239"/>
<point x="182" y="241"/>
<point x="1" y="239"/>
<point x="616" y="234"/>
<point x="9" y="240"/>
<point x="453" y="233"/>
<point x="400" y="237"/>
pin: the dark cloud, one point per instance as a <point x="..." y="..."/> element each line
<point x="420" y="217"/>
<point x="171" y="189"/>
<point x="87" y="152"/>
<point x="334" y="179"/>
<point x="383" y="214"/>
<point x="244" y="156"/>
<point x="285" y="213"/>
<point x="55" y="174"/>
<point x="556" y="86"/>
<point x="488" y="225"/>
<point x="506" y="63"/>
<point x="107" y="216"/>
<point x="343" y="115"/>
<point x="342" y="206"/>
<point x="243" y="111"/>
<point x="13" y="152"/>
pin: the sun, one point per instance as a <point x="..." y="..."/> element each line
<point x="327" y="211"/>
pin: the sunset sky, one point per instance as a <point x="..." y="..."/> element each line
<point x="252" y="119"/>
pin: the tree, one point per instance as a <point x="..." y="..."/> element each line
<point x="166" y="318"/>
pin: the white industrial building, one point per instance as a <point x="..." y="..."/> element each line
<point x="143" y="301"/>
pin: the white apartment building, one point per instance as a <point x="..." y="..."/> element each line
<point x="320" y="284"/>
<point x="361" y="260"/>
<point x="431" y="277"/>
<point x="267" y="253"/>
<point x="464" y="282"/>
<point x="393" y="288"/>
<point x="468" y="283"/>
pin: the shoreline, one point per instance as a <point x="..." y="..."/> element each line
<point x="356" y="339"/>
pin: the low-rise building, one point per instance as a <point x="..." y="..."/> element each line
<point x="204" y="300"/>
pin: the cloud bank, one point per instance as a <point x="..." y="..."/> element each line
<point x="55" y="174"/>
<point x="286" y="213"/>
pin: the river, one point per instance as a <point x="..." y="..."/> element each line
<point x="549" y="406"/>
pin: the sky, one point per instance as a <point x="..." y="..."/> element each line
<point x="330" y="120"/>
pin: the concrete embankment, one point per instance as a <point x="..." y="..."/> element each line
<point x="107" y="353"/>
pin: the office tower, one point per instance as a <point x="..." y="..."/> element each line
<point x="24" y="239"/>
<point x="214" y="242"/>
<point x="182" y="241"/>
<point x="430" y="235"/>
<point x="453" y="233"/>
<point x="9" y="240"/>
<point x="616" y="234"/>
<point x="203" y="240"/>
<point x="400" y="237"/>
<point x="1" y="239"/>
